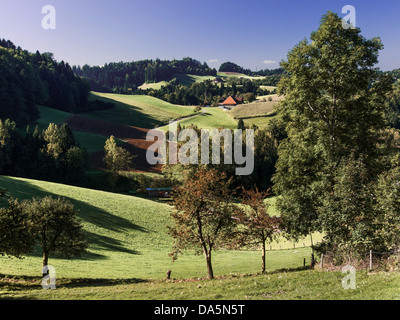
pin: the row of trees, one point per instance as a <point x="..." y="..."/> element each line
<point x="126" y="77"/>
<point x="51" y="154"/>
<point x="207" y="218"/>
<point x="265" y="157"/>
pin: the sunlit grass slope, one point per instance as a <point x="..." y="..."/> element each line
<point x="128" y="239"/>
<point x="138" y="110"/>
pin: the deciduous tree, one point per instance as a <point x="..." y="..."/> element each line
<point x="259" y="227"/>
<point x="56" y="227"/>
<point x="333" y="108"/>
<point x="116" y="159"/>
<point x="16" y="236"/>
<point x="203" y="217"/>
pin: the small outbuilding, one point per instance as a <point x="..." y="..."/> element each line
<point x="159" y="192"/>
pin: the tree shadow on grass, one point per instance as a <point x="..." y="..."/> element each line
<point x="294" y="269"/>
<point x="11" y="283"/>
<point x="124" y="113"/>
<point x="87" y="213"/>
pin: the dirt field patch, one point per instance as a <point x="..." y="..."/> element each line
<point x="134" y="140"/>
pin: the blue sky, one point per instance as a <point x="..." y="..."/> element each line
<point x="252" y="33"/>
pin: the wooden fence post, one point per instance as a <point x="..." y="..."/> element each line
<point x="322" y="260"/>
<point x="370" y="259"/>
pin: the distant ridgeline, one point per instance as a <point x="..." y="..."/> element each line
<point x="30" y="79"/>
<point x="233" y="67"/>
<point x="125" y="77"/>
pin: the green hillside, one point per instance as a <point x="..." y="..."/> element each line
<point x="91" y="142"/>
<point x="128" y="259"/>
<point x="128" y="239"/>
<point x="188" y="79"/>
<point x="211" y="118"/>
<point x="49" y="115"/>
<point x="138" y="110"/>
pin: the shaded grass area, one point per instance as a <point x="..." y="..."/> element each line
<point x="92" y="142"/>
<point x="138" y="110"/>
<point x="283" y="284"/>
<point x="89" y="141"/>
<point x="50" y="115"/>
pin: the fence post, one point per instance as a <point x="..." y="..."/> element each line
<point x="370" y="259"/>
<point x="322" y="260"/>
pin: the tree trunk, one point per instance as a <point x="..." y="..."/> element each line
<point x="263" y="257"/>
<point x="312" y="252"/>
<point x="207" y="255"/>
<point x="209" y="267"/>
<point x="45" y="262"/>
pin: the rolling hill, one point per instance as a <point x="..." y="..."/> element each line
<point x="138" y="110"/>
<point x="128" y="239"/>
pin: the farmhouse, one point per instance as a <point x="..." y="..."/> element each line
<point x="217" y="80"/>
<point x="232" y="101"/>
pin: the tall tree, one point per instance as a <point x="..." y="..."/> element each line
<point x="7" y="143"/>
<point x="333" y="108"/>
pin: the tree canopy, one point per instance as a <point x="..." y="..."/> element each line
<point x="334" y="109"/>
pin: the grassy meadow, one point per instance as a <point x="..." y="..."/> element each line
<point x="49" y="115"/>
<point x="128" y="244"/>
<point x="295" y="284"/>
<point x="138" y="110"/>
<point x="211" y="118"/>
<point x="188" y="79"/>
<point x="252" y="110"/>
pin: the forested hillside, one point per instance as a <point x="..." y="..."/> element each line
<point x="28" y="79"/>
<point x="126" y="77"/>
<point x="233" y="67"/>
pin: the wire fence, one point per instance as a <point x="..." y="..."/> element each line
<point x="372" y="260"/>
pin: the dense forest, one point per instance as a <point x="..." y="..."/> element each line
<point x="30" y="79"/>
<point x="126" y="77"/>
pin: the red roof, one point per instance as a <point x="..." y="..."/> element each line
<point x="230" y="102"/>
